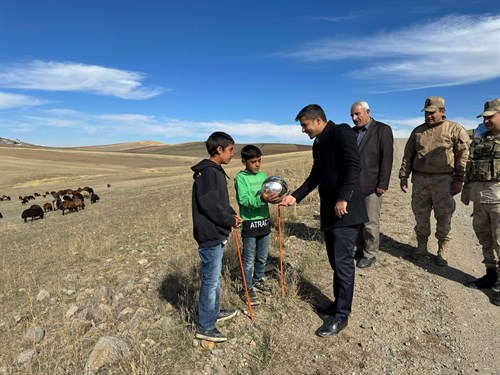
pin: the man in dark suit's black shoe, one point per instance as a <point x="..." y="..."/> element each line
<point x="332" y="327"/>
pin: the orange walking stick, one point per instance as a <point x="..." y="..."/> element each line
<point x="282" y="281"/>
<point x="243" y="274"/>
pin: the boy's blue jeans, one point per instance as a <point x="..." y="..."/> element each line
<point x="255" y="252"/>
<point x="211" y="267"/>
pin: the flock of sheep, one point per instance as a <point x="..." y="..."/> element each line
<point x="68" y="200"/>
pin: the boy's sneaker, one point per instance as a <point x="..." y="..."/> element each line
<point x="254" y="299"/>
<point x="212" y="335"/>
<point x="226" y="314"/>
<point x="263" y="287"/>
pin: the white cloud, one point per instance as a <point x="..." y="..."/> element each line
<point x="144" y="126"/>
<point x="402" y="127"/>
<point x="9" y="100"/>
<point x="449" y="51"/>
<point x="253" y="131"/>
<point x="348" y="17"/>
<point x="467" y="123"/>
<point x="68" y="76"/>
<point x="63" y="122"/>
<point x="15" y="126"/>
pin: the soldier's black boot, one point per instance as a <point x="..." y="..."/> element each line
<point x="487" y="281"/>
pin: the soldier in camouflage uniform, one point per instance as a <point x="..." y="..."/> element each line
<point x="483" y="188"/>
<point x="436" y="155"/>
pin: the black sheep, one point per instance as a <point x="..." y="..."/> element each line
<point x="32" y="212"/>
<point x="94" y="198"/>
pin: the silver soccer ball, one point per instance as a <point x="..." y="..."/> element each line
<point x="275" y="184"/>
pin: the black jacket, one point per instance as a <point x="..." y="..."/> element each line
<point x="212" y="213"/>
<point x="376" y="155"/>
<point x="335" y="172"/>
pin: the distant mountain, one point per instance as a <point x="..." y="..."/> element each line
<point x="195" y="149"/>
<point x="123" y="147"/>
<point x="13" y="142"/>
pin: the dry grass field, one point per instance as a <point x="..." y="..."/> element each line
<point x="124" y="272"/>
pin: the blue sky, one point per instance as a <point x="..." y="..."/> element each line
<point x="76" y="73"/>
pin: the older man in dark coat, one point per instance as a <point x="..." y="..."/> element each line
<point x="335" y="172"/>
<point x="375" y="142"/>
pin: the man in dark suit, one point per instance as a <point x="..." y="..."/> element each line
<point x="335" y="172"/>
<point x="375" y="143"/>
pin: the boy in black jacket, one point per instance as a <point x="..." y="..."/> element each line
<point x="213" y="218"/>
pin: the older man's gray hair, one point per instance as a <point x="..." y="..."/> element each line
<point x="361" y="103"/>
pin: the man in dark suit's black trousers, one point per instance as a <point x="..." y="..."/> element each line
<point x="335" y="171"/>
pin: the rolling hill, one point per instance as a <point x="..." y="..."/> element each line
<point x="191" y="149"/>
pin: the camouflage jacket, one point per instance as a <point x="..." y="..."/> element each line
<point x="483" y="170"/>
<point x="438" y="149"/>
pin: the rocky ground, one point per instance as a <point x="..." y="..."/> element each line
<point x="112" y="289"/>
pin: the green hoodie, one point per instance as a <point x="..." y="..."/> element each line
<point x="252" y="208"/>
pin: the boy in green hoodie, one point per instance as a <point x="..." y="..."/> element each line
<point x="254" y="210"/>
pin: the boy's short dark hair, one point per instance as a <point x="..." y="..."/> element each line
<point x="311" y="112"/>
<point x="250" y="152"/>
<point x="218" y="139"/>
